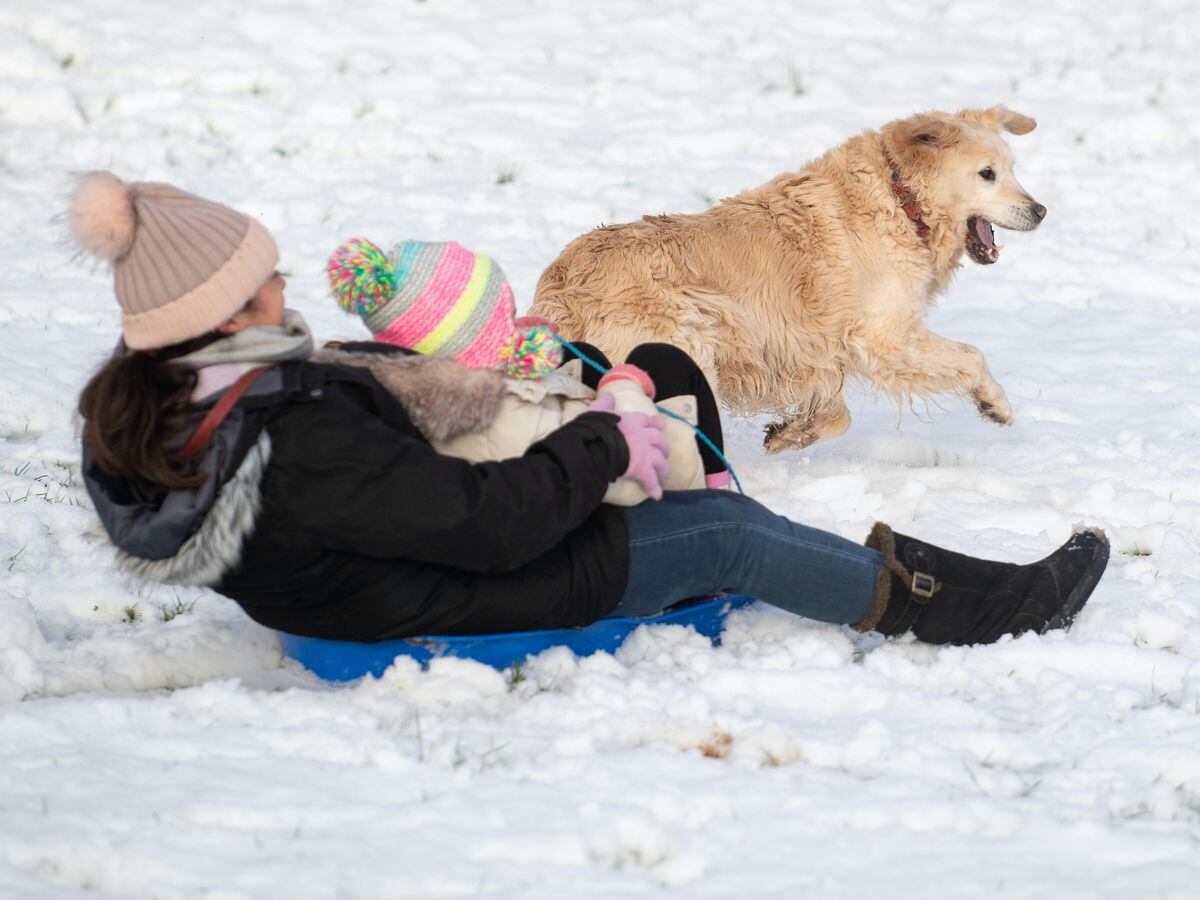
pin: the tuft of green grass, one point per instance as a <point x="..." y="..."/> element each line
<point x="516" y="674"/>
<point x="132" y="614"/>
<point x="796" y="82"/>
<point x="67" y="61"/>
<point x="506" y="176"/>
<point x="177" y="607"/>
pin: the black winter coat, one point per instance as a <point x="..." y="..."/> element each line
<point x="335" y="518"/>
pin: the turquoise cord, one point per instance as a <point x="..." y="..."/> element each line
<point x="666" y="412"/>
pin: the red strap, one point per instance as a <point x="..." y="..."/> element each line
<point x="906" y="198"/>
<point x="199" y="440"/>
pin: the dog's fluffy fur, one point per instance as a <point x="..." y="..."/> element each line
<point x="783" y="292"/>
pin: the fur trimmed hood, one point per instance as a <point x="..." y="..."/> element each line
<point x="216" y="545"/>
<point x="189" y="537"/>
<point x="446" y="399"/>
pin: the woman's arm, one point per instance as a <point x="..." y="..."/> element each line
<point x="363" y="487"/>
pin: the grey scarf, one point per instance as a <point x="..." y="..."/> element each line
<point x="260" y="344"/>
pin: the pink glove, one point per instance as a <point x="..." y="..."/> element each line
<point x="648" y="450"/>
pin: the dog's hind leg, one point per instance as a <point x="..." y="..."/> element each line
<point x="928" y="364"/>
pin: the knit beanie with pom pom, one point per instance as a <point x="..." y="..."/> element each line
<point x="440" y="299"/>
<point x="182" y="264"/>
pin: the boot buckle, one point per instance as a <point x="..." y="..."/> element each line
<point x="923" y="585"/>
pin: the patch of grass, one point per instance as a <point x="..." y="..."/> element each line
<point x="12" y="560"/>
<point x="55" y="486"/>
<point x="516" y="674"/>
<point x="796" y="82"/>
<point x="132" y="614"/>
<point x="506" y="176"/>
<point x="365" y="110"/>
<point x="177" y="607"/>
<point x="258" y="89"/>
<point x="69" y="480"/>
<point x="67" y="61"/>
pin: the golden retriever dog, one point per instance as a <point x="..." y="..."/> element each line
<point x="785" y="291"/>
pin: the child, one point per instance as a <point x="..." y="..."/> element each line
<point x="481" y="385"/>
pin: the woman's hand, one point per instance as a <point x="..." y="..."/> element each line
<point x="648" y="450"/>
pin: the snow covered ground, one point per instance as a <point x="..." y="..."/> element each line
<point x="153" y="743"/>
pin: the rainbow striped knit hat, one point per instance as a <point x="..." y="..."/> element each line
<point x="440" y="299"/>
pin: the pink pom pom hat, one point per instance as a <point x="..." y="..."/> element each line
<point x="439" y="299"/>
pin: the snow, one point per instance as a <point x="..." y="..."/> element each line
<point x="153" y="742"/>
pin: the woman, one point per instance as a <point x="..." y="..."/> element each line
<point x="218" y="454"/>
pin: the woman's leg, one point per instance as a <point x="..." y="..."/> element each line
<point x="676" y="374"/>
<point x="693" y="543"/>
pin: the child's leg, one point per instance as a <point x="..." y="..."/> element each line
<point x="692" y="543"/>
<point x="676" y="374"/>
<point x="591" y="376"/>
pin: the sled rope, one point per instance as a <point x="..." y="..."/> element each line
<point x="666" y="412"/>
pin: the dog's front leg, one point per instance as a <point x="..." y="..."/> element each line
<point x="926" y="364"/>
<point x="827" y="421"/>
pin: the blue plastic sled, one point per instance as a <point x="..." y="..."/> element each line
<point x="347" y="660"/>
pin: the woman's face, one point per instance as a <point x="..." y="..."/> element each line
<point x="264" y="308"/>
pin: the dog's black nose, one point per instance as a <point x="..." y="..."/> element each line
<point x="1039" y="211"/>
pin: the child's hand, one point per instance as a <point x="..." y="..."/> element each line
<point x="648" y="449"/>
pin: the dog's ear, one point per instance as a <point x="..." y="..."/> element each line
<point x="1000" y="117"/>
<point x="926" y="132"/>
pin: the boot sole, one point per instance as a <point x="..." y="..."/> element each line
<point x="1083" y="588"/>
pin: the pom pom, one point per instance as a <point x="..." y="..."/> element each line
<point x="361" y="276"/>
<point x="532" y="353"/>
<point x="102" y="215"/>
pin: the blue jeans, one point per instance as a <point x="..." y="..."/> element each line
<point x="692" y="543"/>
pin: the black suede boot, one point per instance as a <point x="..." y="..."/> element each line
<point x="951" y="598"/>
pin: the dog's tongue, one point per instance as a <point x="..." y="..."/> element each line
<point x="983" y="231"/>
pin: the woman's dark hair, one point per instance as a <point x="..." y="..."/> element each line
<point x="135" y="407"/>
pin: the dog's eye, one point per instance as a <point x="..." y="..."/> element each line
<point x="987" y="174"/>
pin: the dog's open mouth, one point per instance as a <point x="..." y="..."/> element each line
<point x="981" y="242"/>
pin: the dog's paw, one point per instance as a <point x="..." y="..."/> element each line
<point x="993" y="406"/>
<point x="794" y="435"/>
